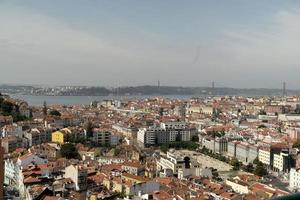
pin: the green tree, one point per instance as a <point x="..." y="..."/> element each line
<point x="261" y="126"/>
<point x="249" y="168"/>
<point x="256" y="161"/>
<point x="55" y="113"/>
<point x="235" y="163"/>
<point x="88" y="126"/>
<point x="69" y="151"/>
<point x="260" y="170"/>
<point x="297" y="144"/>
<point x="195" y="138"/>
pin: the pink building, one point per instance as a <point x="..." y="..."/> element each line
<point x="294" y="133"/>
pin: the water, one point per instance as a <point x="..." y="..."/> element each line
<point x="79" y="100"/>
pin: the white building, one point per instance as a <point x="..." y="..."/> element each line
<point x="166" y="132"/>
<point x="146" y="136"/>
<point x="264" y="156"/>
<point x="31" y="158"/>
<point x="175" y="161"/>
<point x="10" y="176"/>
<point x="238" y="186"/>
<point x="294" y="179"/>
<point x="279" y="161"/>
<point x="78" y="174"/>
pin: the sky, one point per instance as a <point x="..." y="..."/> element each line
<point x="236" y="43"/>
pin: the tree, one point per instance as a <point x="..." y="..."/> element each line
<point x="55" y="113"/>
<point x="69" y="151"/>
<point x="262" y="112"/>
<point x="261" y="126"/>
<point x="88" y="126"/>
<point x="249" y="168"/>
<point x="195" y="138"/>
<point x="260" y="170"/>
<point x="117" y="151"/>
<point x="45" y="109"/>
<point x="297" y="144"/>
<point x="235" y="163"/>
<point x="256" y="161"/>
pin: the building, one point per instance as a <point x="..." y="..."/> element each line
<point x="166" y="132"/>
<point x="147" y="136"/>
<point x="58" y="137"/>
<point x="282" y="162"/>
<point x="231" y="148"/>
<point x="294" y="133"/>
<point x="133" y="167"/>
<point x="105" y="138"/>
<point x="253" y="153"/>
<point x="264" y="156"/>
<point x="216" y="145"/>
<point x="294" y="182"/>
<point x="131" y="185"/>
<point x="242" y="152"/>
<point x="238" y="186"/>
<point x="78" y="174"/>
<point x="10" y="144"/>
<point x="36" y="136"/>
<point x="30" y="158"/>
<point x="174" y="161"/>
<point x="9" y="172"/>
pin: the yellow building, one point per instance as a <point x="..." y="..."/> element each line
<point x="58" y="137"/>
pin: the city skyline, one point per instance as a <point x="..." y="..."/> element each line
<point x="100" y="43"/>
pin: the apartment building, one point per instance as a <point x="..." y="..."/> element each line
<point x="10" y="144"/>
<point x="166" y="132"/>
<point x="78" y="174"/>
<point x="264" y="155"/>
<point x="105" y="138"/>
<point x="216" y="145"/>
<point x="38" y="136"/>
<point x="294" y="181"/>
<point x="175" y="161"/>
<point x="242" y="152"/>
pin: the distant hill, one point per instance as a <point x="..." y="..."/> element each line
<point x="139" y="90"/>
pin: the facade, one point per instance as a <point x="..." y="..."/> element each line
<point x="36" y="137"/>
<point x="253" y="153"/>
<point x="78" y="174"/>
<point x="105" y="138"/>
<point x="134" y="168"/>
<point x="238" y="186"/>
<point x="166" y="132"/>
<point x="9" y="173"/>
<point x="58" y="137"/>
<point x="242" y="152"/>
<point x="175" y="161"/>
<point x="217" y="145"/>
<point x="294" y="182"/>
<point x="147" y="136"/>
<point x="10" y="144"/>
<point x="264" y="156"/>
<point x="30" y="158"/>
<point x="129" y="132"/>
<point x="294" y="133"/>
<point x="231" y="149"/>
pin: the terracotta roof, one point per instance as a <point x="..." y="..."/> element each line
<point x="51" y="198"/>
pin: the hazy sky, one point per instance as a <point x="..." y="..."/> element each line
<point x="237" y="43"/>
